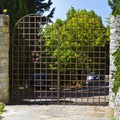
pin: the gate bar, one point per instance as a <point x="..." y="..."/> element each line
<point x="58" y="75"/>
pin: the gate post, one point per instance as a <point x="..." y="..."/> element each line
<point x="114" y="43"/>
<point x="4" y="58"/>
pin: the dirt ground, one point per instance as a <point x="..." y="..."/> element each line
<point x="56" y="112"/>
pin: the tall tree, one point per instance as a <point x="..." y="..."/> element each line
<point x="40" y="7"/>
<point x="15" y="9"/>
<point x="81" y="34"/>
<point x="115" y="6"/>
<point x="18" y="8"/>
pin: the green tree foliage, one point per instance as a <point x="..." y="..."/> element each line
<point x="42" y="6"/>
<point x="15" y="8"/>
<point x="18" y="8"/>
<point x="79" y="30"/>
<point x="71" y="13"/>
<point x="115" y="6"/>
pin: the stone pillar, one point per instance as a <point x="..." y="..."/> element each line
<point x="4" y="58"/>
<point x="114" y="37"/>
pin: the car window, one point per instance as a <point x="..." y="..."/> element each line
<point x="89" y="77"/>
<point x="97" y="77"/>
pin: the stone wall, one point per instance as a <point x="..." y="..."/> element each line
<point x="114" y="101"/>
<point x="117" y="106"/>
<point x="4" y="58"/>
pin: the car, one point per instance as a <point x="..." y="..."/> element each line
<point x="94" y="79"/>
<point x="37" y="80"/>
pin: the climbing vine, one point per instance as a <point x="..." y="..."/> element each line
<point x="117" y="72"/>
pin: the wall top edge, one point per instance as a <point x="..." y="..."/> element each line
<point x="3" y="15"/>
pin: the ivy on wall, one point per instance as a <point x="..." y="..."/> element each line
<point x="116" y="84"/>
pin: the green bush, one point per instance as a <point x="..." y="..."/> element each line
<point x="117" y="72"/>
<point x="2" y="106"/>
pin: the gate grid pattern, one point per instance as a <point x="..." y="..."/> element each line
<point x="50" y="64"/>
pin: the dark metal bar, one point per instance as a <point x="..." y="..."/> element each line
<point x="58" y="70"/>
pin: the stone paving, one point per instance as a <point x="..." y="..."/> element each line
<point x="56" y="112"/>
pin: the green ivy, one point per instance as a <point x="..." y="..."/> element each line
<point x="117" y="72"/>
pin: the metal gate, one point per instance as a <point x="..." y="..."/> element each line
<point x="58" y="63"/>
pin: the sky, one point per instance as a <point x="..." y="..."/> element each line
<point x="100" y="7"/>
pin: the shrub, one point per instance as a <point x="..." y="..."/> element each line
<point x="2" y="106"/>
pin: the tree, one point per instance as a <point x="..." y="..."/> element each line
<point x="15" y="8"/>
<point x="71" y="13"/>
<point x="80" y="30"/>
<point x="46" y="7"/>
<point x="40" y="7"/>
<point x="18" y="8"/>
<point x="115" y="6"/>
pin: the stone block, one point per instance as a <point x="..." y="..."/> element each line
<point x="117" y="105"/>
<point x="1" y="21"/>
<point x="2" y="85"/>
<point x="4" y="53"/>
<point x="4" y="58"/>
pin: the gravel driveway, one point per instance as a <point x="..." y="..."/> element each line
<point x="55" y="112"/>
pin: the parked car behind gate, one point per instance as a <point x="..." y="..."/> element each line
<point x="94" y="79"/>
<point x="37" y="80"/>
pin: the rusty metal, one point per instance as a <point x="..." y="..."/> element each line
<point x="63" y="61"/>
<point x="58" y="75"/>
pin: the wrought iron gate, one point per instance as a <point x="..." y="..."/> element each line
<point x="50" y="63"/>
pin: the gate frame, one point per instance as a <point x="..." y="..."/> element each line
<point x="58" y="74"/>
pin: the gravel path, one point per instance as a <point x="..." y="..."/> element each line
<point x="55" y="112"/>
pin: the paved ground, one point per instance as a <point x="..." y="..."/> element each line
<point x="55" y="112"/>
